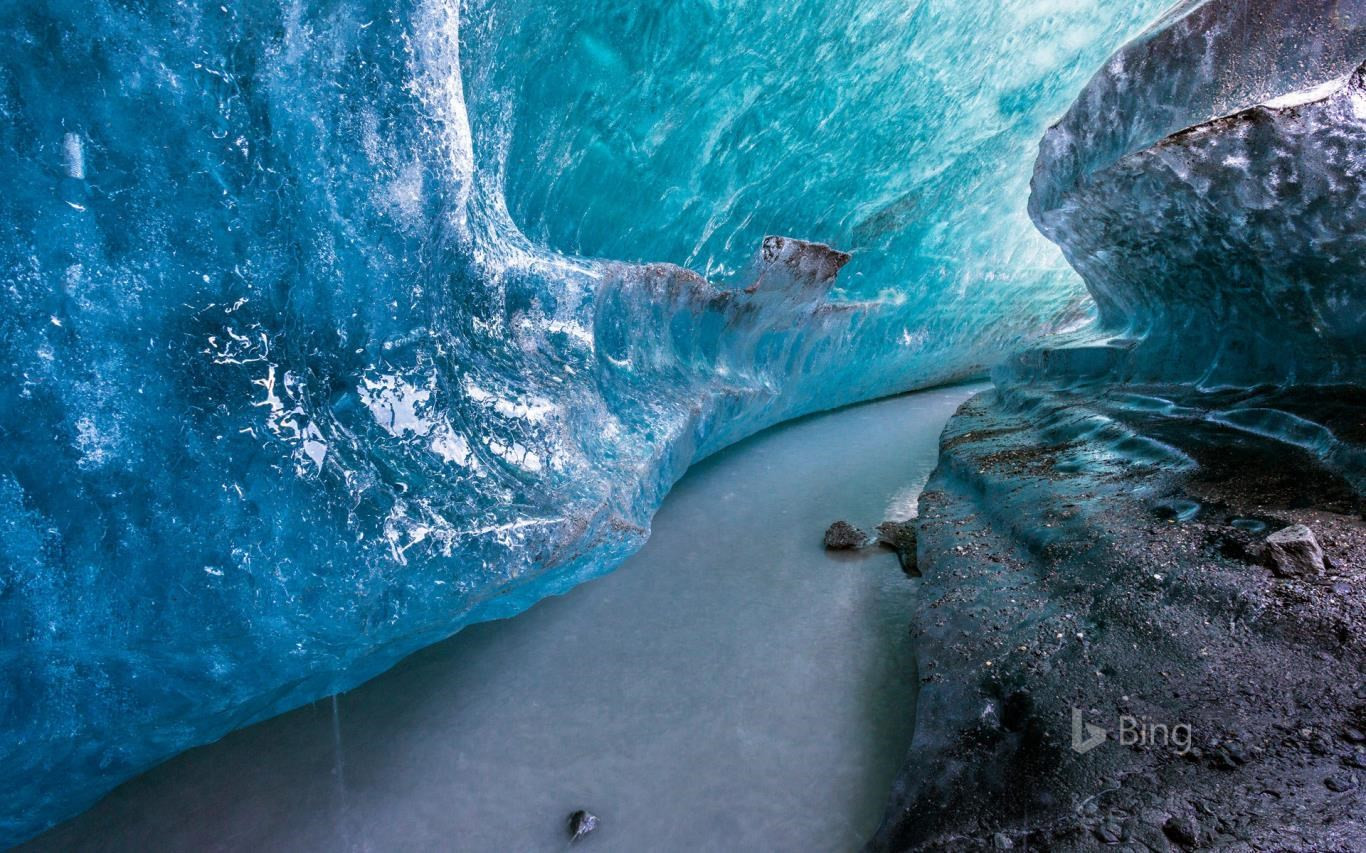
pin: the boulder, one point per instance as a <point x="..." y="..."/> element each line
<point x="1294" y="552"/>
<point x="843" y="536"/>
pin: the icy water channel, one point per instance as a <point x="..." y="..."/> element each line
<point x="731" y="687"/>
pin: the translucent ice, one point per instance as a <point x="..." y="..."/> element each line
<point x="307" y="360"/>
<point x="1207" y="186"/>
<point x="666" y="697"/>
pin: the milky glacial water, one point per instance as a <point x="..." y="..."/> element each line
<point x="731" y="687"/>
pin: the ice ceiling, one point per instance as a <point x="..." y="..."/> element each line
<point x="331" y="327"/>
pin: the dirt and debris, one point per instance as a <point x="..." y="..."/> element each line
<point x="1180" y="611"/>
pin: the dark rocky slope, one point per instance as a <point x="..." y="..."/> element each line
<point x="1071" y="566"/>
<point x="1095" y="542"/>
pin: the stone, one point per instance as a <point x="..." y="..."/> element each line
<point x="1230" y="756"/>
<point x="1294" y="552"/>
<point x="900" y="536"/>
<point x="1182" y="830"/>
<point x="1340" y="782"/>
<point x="843" y="536"/>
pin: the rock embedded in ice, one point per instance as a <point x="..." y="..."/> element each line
<point x="1294" y="552"/>
<point x="802" y="259"/>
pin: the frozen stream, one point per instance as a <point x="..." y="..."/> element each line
<point x="732" y="687"/>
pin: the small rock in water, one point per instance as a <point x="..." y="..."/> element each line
<point x="581" y="823"/>
<point x="843" y="536"/>
<point x="1294" y="551"/>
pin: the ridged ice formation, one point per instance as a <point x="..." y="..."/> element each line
<point x="1207" y="184"/>
<point x="289" y="392"/>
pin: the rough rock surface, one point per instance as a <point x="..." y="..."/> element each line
<point x="900" y="536"/>
<point x="843" y="536"/>
<point x="1294" y="552"/>
<point x="1065" y="573"/>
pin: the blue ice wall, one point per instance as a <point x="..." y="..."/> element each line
<point x="309" y="359"/>
<point x="1207" y="184"/>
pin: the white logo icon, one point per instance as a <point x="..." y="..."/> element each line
<point x="1085" y="737"/>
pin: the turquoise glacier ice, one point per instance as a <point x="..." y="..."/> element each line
<point x="330" y="327"/>
<point x="1206" y="184"/>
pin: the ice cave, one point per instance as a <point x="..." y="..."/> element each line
<point x="496" y="425"/>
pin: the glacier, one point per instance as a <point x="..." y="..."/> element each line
<point x="330" y="328"/>
<point x="1206" y="185"/>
